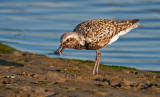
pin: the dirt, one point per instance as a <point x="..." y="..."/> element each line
<point x="29" y="75"/>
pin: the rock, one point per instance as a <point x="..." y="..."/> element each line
<point x="102" y="79"/>
<point x="25" y="54"/>
<point x="148" y="82"/>
<point x="106" y="83"/>
<point x="115" y="82"/>
<point x="126" y="71"/>
<point x="29" y="74"/>
<point x="145" y="86"/>
<point x="158" y="75"/>
<point x="139" y="87"/>
<point x="127" y="82"/>
<point x="23" y="73"/>
<point x="134" y="72"/>
<point x="79" y="77"/>
<point x="11" y="76"/>
<point x="32" y="53"/>
<point x="6" y="82"/>
<point x="38" y="82"/>
<point x="99" y="85"/>
<point x="154" y="76"/>
<point x="17" y="53"/>
<point x="39" y="90"/>
<point x="34" y="75"/>
<point x="125" y="87"/>
<point x="102" y="93"/>
<point x="122" y="86"/>
<point x="61" y="80"/>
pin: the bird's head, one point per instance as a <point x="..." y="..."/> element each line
<point x="69" y="40"/>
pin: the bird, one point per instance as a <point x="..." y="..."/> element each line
<point x="94" y="35"/>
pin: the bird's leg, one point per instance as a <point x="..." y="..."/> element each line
<point x="96" y="66"/>
<point x="98" y="60"/>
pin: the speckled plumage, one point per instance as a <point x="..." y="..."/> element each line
<point x="99" y="32"/>
<point x="94" y="35"/>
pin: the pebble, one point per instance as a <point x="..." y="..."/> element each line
<point x="11" y="76"/>
<point x="126" y="71"/>
<point x="23" y="73"/>
<point x="17" y="53"/>
<point x="154" y="76"/>
<point x="35" y="75"/>
<point x="51" y="66"/>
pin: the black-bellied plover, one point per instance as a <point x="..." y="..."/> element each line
<point x="94" y="35"/>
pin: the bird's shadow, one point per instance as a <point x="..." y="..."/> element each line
<point x="53" y="53"/>
<point x="8" y="63"/>
<point x="50" y="53"/>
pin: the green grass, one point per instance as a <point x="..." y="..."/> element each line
<point x="155" y="72"/>
<point x="102" y="66"/>
<point x="70" y="70"/>
<point x="5" y="49"/>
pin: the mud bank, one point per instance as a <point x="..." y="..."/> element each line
<point x="29" y="75"/>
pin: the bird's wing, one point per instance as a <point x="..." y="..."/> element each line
<point x="103" y="29"/>
<point x="125" y="26"/>
<point x="93" y="29"/>
<point x="121" y="28"/>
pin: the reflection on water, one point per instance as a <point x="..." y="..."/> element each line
<point x="36" y="25"/>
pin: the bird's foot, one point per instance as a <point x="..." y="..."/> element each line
<point x="95" y="73"/>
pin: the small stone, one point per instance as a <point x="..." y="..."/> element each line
<point x="29" y="74"/>
<point x="17" y="53"/>
<point x="135" y="72"/>
<point x="35" y="75"/>
<point x="25" y="54"/>
<point x="79" y="77"/>
<point x="148" y="82"/>
<point x="36" y="82"/>
<point x="106" y="83"/>
<point x="154" y="76"/>
<point x="39" y="90"/>
<point x="128" y="82"/>
<point x="32" y="53"/>
<point x="51" y="66"/>
<point x="99" y="85"/>
<point x="23" y="73"/>
<point x="19" y="91"/>
<point x="5" y="82"/>
<point x="2" y="76"/>
<point x="139" y="87"/>
<point x="126" y="71"/>
<point x="11" y="76"/>
<point x="125" y="86"/>
<point x="158" y="75"/>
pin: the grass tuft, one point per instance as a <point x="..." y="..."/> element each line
<point x="155" y="72"/>
<point x="5" y="49"/>
<point x="102" y="66"/>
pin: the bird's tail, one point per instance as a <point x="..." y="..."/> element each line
<point x="134" y="21"/>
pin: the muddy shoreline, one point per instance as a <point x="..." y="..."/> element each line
<point x="29" y="75"/>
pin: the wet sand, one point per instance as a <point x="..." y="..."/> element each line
<point x="29" y="75"/>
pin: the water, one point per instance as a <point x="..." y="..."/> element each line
<point x="36" y="25"/>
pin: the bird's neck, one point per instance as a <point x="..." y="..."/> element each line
<point x="80" y="38"/>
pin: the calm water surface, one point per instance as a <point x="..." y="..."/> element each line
<point x="36" y="26"/>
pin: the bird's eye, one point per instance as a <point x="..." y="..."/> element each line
<point x="67" y="40"/>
